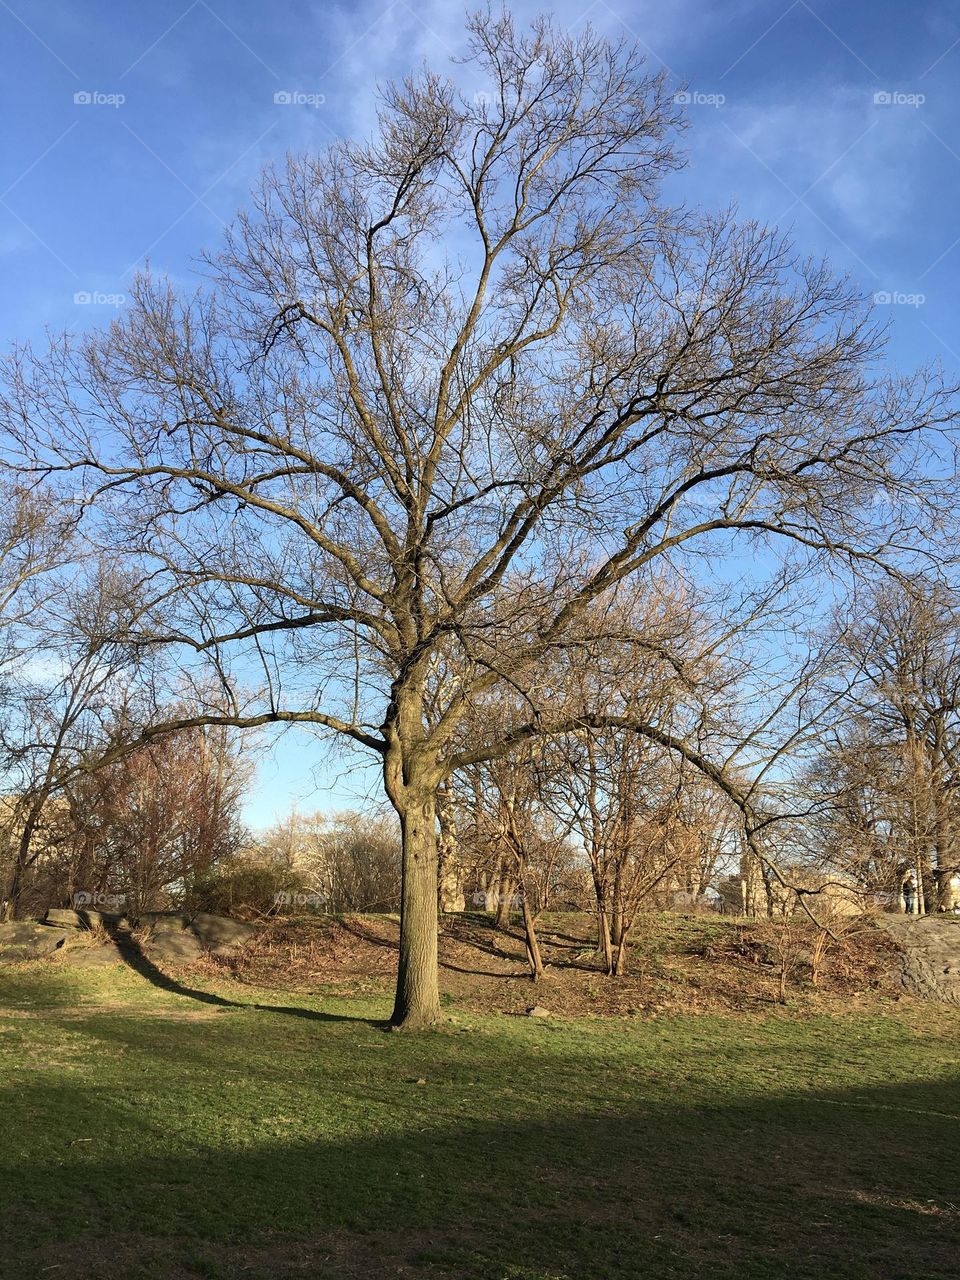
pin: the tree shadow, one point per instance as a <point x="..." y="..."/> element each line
<point x="352" y="927"/>
<point x="134" y="956"/>
<point x="796" y="1186"/>
<point x="486" y="973"/>
<point x="349" y="925"/>
<point x="467" y="938"/>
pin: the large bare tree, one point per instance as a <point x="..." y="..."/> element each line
<point x="449" y="387"/>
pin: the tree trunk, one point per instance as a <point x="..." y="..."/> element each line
<point x="504" y="896"/>
<point x="782" y="980"/>
<point x="604" y="946"/>
<point x="617" y="925"/>
<point x="418" y="994"/>
<point x="620" y="966"/>
<point x="489" y="893"/>
<point x="8" y="907"/>
<point x="450" y="895"/>
<point x="921" y="903"/>
<point x="11" y="904"/>
<point x="820" y="945"/>
<point x="534" y="958"/>
<point x="617" y="920"/>
<point x="942" y="835"/>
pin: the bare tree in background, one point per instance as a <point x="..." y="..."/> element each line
<point x="648" y="825"/>
<point x="624" y="796"/>
<point x="75" y="682"/>
<point x="468" y="374"/>
<point x="350" y="861"/>
<point x="35" y="541"/>
<point x="889" y="776"/>
<point x="149" y="826"/>
<point x="514" y="836"/>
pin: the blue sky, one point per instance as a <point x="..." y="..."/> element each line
<point x="838" y="123"/>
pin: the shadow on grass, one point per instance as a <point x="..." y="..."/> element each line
<point x="388" y="944"/>
<point x="133" y="955"/>
<point x="467" y="929"/>
<point x="843" y="1185"/>
<point x="548" y="943"/>
<point x="469" y="932"/>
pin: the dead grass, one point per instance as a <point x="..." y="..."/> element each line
<point x="679" y="963"/>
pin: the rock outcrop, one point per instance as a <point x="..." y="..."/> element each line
<point x="221" y="935"/>
<point x="28" y="940"/>
<point x="930" y="954"/>
<point x="170" y="938"/>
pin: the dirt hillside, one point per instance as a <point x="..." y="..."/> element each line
<point x="678" y="962"/>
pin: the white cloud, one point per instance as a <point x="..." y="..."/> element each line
<point x="846" y="158"/>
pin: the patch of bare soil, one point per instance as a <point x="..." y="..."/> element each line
<point x="677" y="964"/>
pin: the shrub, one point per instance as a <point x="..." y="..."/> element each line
<point x="247" y="889"/>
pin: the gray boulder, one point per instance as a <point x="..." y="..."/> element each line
<point x="93" y="957"/>
<point x="163" y="922"/>
<point x="174" y="948"/>
<point x="27" y="940"/>
<point x="64" y="918"/>
<point x="930" y="954"/>
<point x="84" y="918"/>
<point x="105" y="919"/>
<point x="178" y="939"/>
<point x="220" y="934"/>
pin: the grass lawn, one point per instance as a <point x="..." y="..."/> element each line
<point x="235" y="1132"/>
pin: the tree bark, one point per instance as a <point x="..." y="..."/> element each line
<point x="534" y="957"/>
<point x="489" y="893"/>
<point x="11" y="903"/>
<point x="820" y="945"/>
<point x="768" y="892"/>
<point x="942" y="835"/>
<point x="418" y="993"/>
<point x="450" y="895"/>
<point x="604" y="945"/>
<point x="504" y="897"/>
<point x="8" y="907"/>
<point x="921" y="870"/>
<point x="620" y="965"/>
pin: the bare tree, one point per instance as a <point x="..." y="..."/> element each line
<point x="624" y="796"/>
<point x="514" y="836"/>
<point x="348" y="861"/>
<point x="73" y="702"/>
<point x="468" y="374"/>
<point x="149" y="826"/>
<point x="889" y="775"/>
<point x="35" y="543"/>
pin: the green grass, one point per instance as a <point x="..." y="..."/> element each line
<point x="153" y="1133"/>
